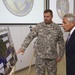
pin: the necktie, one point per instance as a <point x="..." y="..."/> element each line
<point x="68" y="37"/>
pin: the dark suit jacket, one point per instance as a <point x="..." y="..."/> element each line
<point x="70" y="55"/>
<point x="70" y="46"/>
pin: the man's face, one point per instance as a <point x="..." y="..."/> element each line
<point x="47" y="18"/>
<point x="67" y="26"/>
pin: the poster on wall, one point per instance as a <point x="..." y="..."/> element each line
<point x="60" y="8"/>
<point x="8" y="57"/>
<point x="21" y="11"/>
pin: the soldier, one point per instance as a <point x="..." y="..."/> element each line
<point x="48" y="36"/>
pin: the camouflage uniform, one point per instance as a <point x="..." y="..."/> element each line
<point x="46" y="47"/>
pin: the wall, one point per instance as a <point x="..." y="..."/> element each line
<point x="18" y="34"/>
<point x="52" y="6"/>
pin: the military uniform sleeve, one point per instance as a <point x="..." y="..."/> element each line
<point x="29" y="38"/>
<point x="61" y="44"/>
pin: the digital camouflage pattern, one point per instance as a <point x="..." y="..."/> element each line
<point x="45" y="45"/>
<point x="43" y="65"/>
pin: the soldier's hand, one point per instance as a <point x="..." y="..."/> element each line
<point x="58" y="59"/>
<point x="20" y="51"/>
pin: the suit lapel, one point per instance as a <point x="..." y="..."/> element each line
<point x="72" y="37"/>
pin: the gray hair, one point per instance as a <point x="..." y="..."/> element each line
<point x="70" y="17"/>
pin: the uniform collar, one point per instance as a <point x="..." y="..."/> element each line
<point x="48" y="24"/>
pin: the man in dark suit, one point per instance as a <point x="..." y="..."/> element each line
<point x="69" y="26"/>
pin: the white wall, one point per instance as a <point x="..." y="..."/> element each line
<point x="18" y="34"/>
<point x="52" y="6"/>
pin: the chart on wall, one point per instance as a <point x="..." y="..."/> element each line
<point x="8" y="56"/>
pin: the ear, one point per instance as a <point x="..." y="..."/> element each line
<point x="52" y="16"/>
<point x="73" y="23"/>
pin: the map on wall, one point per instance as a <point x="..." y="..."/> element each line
<point x="8" y="56"/>
<point x="19" y="7"/>
<point x="62" y="7"/>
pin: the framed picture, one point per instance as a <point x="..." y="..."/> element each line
<point x="22" y="11"/>
<point x="60" y="8"/>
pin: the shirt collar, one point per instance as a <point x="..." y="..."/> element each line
<point x="48" y="24"/>
<point x="72" y="30"/>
